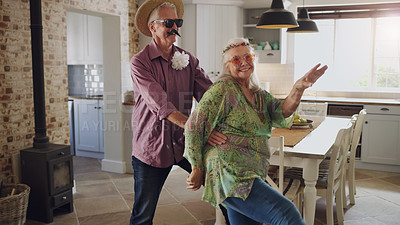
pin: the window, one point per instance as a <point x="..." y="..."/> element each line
<point x="363" y="54"/>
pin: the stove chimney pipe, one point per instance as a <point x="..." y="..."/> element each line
<point x="41" y="140"/>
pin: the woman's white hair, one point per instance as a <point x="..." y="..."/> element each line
<point x="254" y="82"/>
<point x="154" y="14"/>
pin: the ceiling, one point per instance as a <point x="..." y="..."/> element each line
<point x="267" y="3"/>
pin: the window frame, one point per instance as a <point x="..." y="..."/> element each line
<point x="371" y="11"/>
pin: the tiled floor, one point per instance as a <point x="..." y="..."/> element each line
<point x="104" y="198"/>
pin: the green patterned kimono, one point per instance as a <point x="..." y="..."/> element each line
<point x="232" y="167"/>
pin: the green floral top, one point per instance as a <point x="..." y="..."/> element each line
<point x="232" y="167"/>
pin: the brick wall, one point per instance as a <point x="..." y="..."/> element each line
<point x="16" y="91"/>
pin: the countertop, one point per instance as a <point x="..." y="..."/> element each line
<point x="331" y="100"/>
<point x="95" y="97"/>
<point x="339" y="100"/>
<point x="129" y="103"/>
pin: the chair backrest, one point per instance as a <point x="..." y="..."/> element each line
<point x="312" y="109"/>
<point x="355" y="139"/>
<point x="277" y="144"/>
<point x="339" y="156"/>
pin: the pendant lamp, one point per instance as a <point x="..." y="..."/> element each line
<point x="277" y="17"/>
<point x="306" y="25"/>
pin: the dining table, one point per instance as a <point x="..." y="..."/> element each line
<point x="306" y="147"/>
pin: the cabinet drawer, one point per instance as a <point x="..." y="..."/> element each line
<point x="383" y="109"/>
<point x="344" y="110"/>
<point x="61" y="199"/>
<point x="268" y="56"/>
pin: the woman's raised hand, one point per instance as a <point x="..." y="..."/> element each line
<point x="310" y="77"/>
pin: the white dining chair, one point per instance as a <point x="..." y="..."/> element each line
<point x="291" y="188"/>
<point x="358" y="121"/>
<point x="312" y="109"/>
<point x="329" y="185"/>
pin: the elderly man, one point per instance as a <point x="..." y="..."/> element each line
<point x="165" y="80"/>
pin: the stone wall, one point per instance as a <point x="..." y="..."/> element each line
<point x="16" y="88"/>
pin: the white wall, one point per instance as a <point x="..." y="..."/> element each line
<point x="113" y="134"/>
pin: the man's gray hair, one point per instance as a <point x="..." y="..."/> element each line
<point x="154" y="14"/>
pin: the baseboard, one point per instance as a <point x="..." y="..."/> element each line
<point x="375" y="166"/>
<point x="113" y="166"/>
<point x="89" y="154"/>
<point x="129" y="168"/>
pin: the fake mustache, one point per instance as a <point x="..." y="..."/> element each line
<point x="172" y="32"/>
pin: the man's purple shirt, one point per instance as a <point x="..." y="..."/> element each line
<point x="159" y="90"/>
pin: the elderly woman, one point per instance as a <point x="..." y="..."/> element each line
<point x="235" y="171"/>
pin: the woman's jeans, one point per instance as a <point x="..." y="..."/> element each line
<point x="263" y="205"/>
<point x="148" y="182"/>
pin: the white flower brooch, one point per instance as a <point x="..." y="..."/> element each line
<point x="180" y="60"/>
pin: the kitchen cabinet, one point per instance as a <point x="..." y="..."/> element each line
<point x="381" y="135"/>
<point x="84" y="39"/>
<point x="210" y="27"/>
<point x="89" y="128"/>
<point x="258" y="35"/>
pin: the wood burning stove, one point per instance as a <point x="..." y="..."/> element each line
<point x="49" y="173"/>
<point x="46" y="168"/>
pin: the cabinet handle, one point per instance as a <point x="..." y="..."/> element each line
<point x="95" y="107"/>
<point x="64" y="198"/>
<point x="384" y="109"/>
<point x="270" y="54"/>
<point x="366" y="122"/>
<point x="99" y="107"/>
<point x="61" y="153"/>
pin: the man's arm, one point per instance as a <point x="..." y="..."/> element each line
<point x="178" y="118"/>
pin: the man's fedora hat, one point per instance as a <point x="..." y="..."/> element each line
<point x="147" y="7"/>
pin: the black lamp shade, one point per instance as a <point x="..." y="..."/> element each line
<point x="306" y="25"/>
<point x="277" y="17"/>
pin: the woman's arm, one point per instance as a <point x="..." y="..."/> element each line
<point x="199" y="127"/>
<point x="195" y="179"/>
<point x="293" y="99"/>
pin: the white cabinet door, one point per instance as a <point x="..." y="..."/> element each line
<point x="214" y="26"/>
<point x="89" y="129"/>
<point x="94" y="49"/>
<point x="84" y="39"/>
<point x="381" y="139"/>
<point x="101" y="121"/>
<point x="206" y="37"/>
<point x="75" y="38"/>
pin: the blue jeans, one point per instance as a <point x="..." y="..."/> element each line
<point x="148" y="182"/>
<point x="263" y="205"/>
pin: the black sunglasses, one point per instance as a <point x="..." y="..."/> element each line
<point x="170" y="22"/>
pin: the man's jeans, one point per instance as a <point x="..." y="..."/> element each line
<point x="148" y="182"/>
<point x="263" y="205"/>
